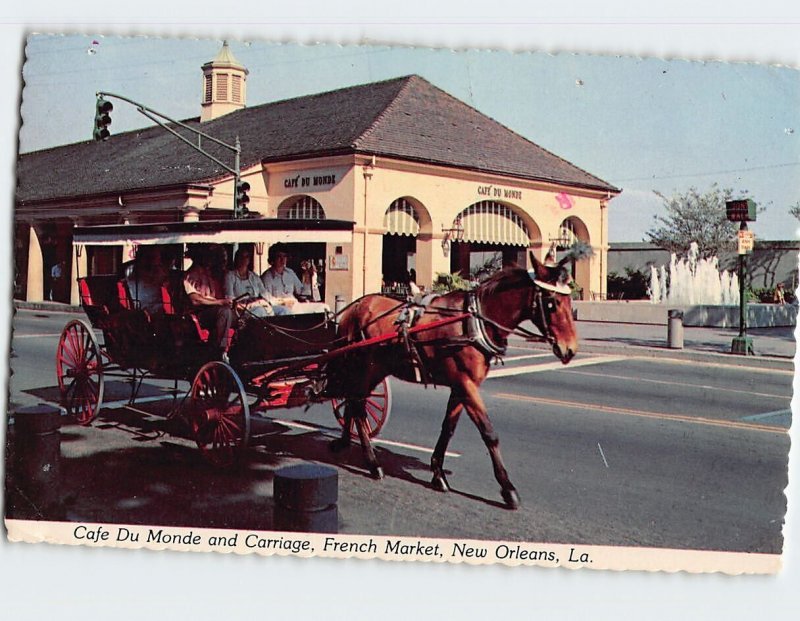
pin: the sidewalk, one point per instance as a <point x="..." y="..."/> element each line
<point x="774" y="347"/>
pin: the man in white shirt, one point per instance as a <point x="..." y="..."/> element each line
<point x="281" y="282"/>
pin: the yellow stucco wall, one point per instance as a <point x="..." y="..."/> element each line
<point x="364" y="189"/>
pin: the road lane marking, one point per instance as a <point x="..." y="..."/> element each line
<point x="654" y="381"/>
<point x="767" y="415"/>
<point x="411" y="447"/>
<point x="538" y="368"/>
<point x="716" y="365"/>
<point x="698" y="420"/>
<point x="525" y="357"/>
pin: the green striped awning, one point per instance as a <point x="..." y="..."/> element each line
<point x="493" y="223"/>
<point x="401" y="218"/>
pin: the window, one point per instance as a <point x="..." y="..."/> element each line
<point x="302" y="208"/>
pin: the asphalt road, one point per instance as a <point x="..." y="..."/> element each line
<point x="609" y="450"/>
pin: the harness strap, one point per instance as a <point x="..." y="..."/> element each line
<point x="476" y="328"/>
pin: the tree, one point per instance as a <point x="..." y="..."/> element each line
<point x="695" y="217"/>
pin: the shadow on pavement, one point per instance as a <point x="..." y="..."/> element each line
<point x="157" y="475"/>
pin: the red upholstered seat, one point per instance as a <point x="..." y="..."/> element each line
<point x="169" y="309"/>
<point x="123" y="295"/>
<point x="85" y="293"/>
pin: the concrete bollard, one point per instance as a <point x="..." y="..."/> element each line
<point x="305" y="499"/>
<point x="675" y="328"/>
<point x="35" y="491"/>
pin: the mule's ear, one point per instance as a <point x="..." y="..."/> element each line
<point x="539" y="268"/>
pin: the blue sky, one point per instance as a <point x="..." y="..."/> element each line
<point x="641" y="124"/>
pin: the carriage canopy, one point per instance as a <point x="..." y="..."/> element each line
<point x="263" y="230"/>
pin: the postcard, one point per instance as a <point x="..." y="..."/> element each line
<point x="402" y="303"/>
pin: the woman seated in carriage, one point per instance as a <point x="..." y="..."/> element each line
<point x="242" y="284"/>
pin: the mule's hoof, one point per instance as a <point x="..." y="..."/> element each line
<point x="377" y="472"/>
<point x="439" y="483"/>
<point x="338" y="445"/>
<point x="512" y="498"/>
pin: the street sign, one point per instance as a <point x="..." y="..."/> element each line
<point x="741" y="211"/>
<point x="746" y="241"/>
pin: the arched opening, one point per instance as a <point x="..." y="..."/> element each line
<point x="301" y="207"/>
<point x="403" y="221"/>
<point x="494" y="235"/>
<point x="570" y="231"/>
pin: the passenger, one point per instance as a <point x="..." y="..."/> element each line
<point x="281" y="283"/>
<point x="240" y="281"/>
<point x="203" y="285"/>
<point x="146" y="278"/>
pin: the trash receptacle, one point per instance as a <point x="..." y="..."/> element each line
<point x="675" y="328"/>
<point x="36" y="466"/>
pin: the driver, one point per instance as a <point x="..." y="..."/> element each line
<point x="203" y="285"/>
<point x="281" y="282"/>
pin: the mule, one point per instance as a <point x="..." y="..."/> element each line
<point x="451" y="344"/>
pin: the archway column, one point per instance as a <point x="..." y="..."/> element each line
<point x="35" y="282"/>
<point x="430" y="259"/>
<point x="79" y="267"/>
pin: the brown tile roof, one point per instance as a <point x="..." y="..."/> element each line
<point x="406" y="118"/>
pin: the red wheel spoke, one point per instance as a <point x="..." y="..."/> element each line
<point x="376" y="417"/>
<point x="67" y="355"/>
<point x="76" y="345"/>
<point x="376" y="405"/>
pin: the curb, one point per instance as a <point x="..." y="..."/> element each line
<point x="778" y="363"/>
<point x="57" y="307"/>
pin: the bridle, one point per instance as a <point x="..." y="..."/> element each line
<point x="544" y="304"/>
<point x="542" y="309"/>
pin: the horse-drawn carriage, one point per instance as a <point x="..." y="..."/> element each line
<point x="295" y="360"/>
<point x="270" y="363"/>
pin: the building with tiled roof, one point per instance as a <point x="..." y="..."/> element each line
<point x="432" y="184"/>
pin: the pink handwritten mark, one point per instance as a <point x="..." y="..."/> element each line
<point x="565" y="201"/>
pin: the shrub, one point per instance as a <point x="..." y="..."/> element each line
<point x="632" y="286"/>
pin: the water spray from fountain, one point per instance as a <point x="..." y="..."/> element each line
<point x="693" y="281"/>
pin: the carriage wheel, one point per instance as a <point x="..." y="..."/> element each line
<point x="218" y="414"/>
<point x="79" y="370"/>
<point x="378" y="406"/>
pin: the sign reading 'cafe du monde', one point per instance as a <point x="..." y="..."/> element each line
<point x="312" y="179"/>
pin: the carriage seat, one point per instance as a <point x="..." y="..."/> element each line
<point x="173" y="299"/>
<point x="176" y="303"/>
<point x="100" y="295"/>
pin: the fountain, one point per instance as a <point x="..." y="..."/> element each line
<point x="696" y="288"/>
<point x="693" y="281"/>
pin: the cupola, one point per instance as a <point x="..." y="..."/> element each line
<point x="224" y="85"/>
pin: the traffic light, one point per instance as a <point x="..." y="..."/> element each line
<point x="102" y="119"/>
<point x="242" y="199"/>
